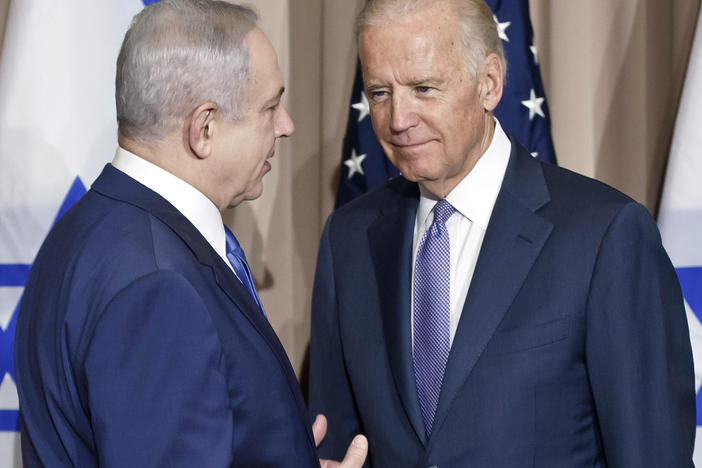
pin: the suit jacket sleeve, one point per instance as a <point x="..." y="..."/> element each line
<point x="638" y="352"/>
<point x="330" y="388"/>
<point x="157" y="393"/>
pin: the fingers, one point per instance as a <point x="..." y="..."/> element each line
<point x="356" y="453"/>
<point x="319" y="429"/>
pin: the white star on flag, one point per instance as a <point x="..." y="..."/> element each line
<point x="535" y="53"/>
<point x="534" y="105"/>
<point x="354" y="163"/>
<point x="502" y="28"/>
<point x="535" y="154"/>
<point x="362" y="107"/>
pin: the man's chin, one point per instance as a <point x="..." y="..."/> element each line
<point x="438" y="186"/>
<point x="253" y="193"/>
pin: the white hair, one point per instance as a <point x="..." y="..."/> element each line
<point x="479" y="31"/>
<point x="176" y="55"/>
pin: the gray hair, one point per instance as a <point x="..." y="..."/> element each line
<point x="479" y="31"/>
<point x="176" y="55"/>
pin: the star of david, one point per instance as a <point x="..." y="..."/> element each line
<point x="15" y="275"/>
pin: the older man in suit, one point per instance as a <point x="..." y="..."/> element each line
<point x="141" y="340"/>
<point x="486" y="309"/>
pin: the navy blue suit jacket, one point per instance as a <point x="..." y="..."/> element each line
<point x="137" y="346"/>
<point x="572" y="349"/>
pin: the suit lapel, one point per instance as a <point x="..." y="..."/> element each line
<point x="390" y="238"/>
<point x="238" y="294"/>
<point x="115" y="184"/>
<point x="513" y="241"/>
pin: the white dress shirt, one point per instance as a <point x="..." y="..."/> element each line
<point x="473" y="198"/>
<point x="200" y="211"/>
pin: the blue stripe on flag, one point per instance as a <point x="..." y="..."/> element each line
<point x="9" y="420"/>
<point x="14" y="274"/>
<point x="7" y="345"/>
<point x="691" y="285"/>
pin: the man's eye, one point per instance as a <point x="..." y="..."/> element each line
<point x="424" y="89"/>
<point x="378" y="95"/>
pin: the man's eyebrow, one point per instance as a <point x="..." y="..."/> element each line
<point x="415" y="81"/>
<point x="275" y="98"/>
<point x="427" y="80"/>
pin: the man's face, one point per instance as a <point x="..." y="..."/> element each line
<point x="426" y="110"/>
<point x="247" y="144"/>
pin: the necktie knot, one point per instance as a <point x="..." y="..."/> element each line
<point x="443" y="211"/>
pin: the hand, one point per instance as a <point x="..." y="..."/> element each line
<point x="355" y="455"/>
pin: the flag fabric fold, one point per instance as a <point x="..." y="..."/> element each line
<point x="57" y="130"/>
<point x="680" y="211"/>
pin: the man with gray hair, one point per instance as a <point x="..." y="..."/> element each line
<point x="141" y="340"/>
<point x="486" y="309"/>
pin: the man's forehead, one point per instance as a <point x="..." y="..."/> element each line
<point x="263" y="60"/>
<point x="437" y="15"/>
<point x="420" y="57"/>
<point x="415" y="34"/>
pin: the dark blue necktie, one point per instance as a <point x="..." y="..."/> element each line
<point x="432" y="312"/>
<point x="236" y="257"/>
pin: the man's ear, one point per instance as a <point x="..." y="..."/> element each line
<point x="491" y="82"/>
<point x="201" y="129"/>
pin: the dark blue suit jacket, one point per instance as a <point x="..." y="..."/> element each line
<point x="572" y="349"/>
<point x="137" y="346"/>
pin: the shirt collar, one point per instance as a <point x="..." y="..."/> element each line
<point x="191" y="203"/>
<point x="475" y="195"/>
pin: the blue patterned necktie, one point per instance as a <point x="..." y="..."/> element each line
<point x="236" y="257"/>
<point x="432" y="314"/>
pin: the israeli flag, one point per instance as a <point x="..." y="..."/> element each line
<point x="680" y="214"/>
<point x="57" y="129"/>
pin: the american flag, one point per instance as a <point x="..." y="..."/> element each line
<point x="522" y="111"/>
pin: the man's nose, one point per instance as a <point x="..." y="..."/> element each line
<point x="284" y="126"/>
<point x="403" y="114"/>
